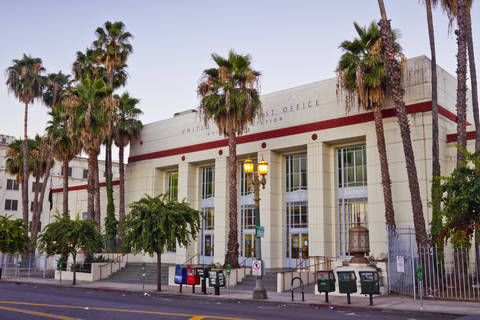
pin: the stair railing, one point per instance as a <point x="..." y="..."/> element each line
<point x="189" y="260"/>
<point x="118" y="258"/>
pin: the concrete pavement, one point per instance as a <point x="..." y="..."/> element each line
<point x="390" y="304"/>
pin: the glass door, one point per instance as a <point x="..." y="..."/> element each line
<point x="207" y="239"/>
<point x="247" y="249"/>
<point x="298" y="248"/>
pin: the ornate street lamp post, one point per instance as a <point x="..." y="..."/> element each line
<point x="255" y="178"/>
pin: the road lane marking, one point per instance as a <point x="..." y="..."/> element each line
<point x="197" y="318"/>
<point x="121" y="310"/>
<point x="41" y="314"/>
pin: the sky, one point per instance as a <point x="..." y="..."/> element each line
<point x="290" y="42"/>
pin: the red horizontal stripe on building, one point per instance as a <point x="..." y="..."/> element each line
<point x="303" y="128"/>
<point x="453" y="136"/>
<point x="85" y="186"/>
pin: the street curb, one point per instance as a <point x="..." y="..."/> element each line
<point x="267" y="302"/>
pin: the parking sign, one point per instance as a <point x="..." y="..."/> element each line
<point x="257" y="267"/>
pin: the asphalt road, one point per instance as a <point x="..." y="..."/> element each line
<point x="30" y="302"/>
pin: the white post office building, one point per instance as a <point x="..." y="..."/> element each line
<point x="323" y="178"/>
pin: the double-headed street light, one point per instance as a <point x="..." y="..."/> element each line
<point x="255" y="178"/>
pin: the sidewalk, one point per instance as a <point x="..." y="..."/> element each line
<point x="388" y="304"/>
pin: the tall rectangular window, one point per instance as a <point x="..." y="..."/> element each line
<point x="207" y="193"/>
<point x="296" y="209"/>
<point x="172" y="184"/>
<point x="11" y="204"/>
<point x="296" y="165"/>
<point x="352" y="193"/>
<point x="85" y="174"/>
<point x="12" y="184"/>
<point x="208" y="182"/>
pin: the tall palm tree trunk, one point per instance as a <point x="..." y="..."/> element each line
<point x="232" y="246"/>
<point x="436" y="217"/>
<point x="65" y="188"/>
<point x="473" y="81"/>
<point x="46" y="176"/>
<point x="25" y="169"/>
<point x="386" y="182"/>
<point x="394" y="72"/>
<point x="35" y="215"/>
<point x="122" y="188"/>
<point x="91" y="185"/>
<point x="461" y="81"/>
<point x="97" y="194"/>
<point x="473" y="77"/>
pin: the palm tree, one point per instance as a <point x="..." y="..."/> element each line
<point x="89" y="107"/>
<point x="127" y="126"/>
<point x="46" y="150"/>
<point x="25" y="80"/>
<point x="39" y="165"/>
<point x="67" y="143"/>
<point x="111" y="50"/>
<point x="362" y="73"/>
<point x="436" y="216"/>
<point x="396" y="89"/>
<point x="229" y="97"/>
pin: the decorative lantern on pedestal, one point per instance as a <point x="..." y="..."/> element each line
<point x="358" y="244"/>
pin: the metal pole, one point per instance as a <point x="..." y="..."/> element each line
<point x="413" y="262"/>
<point x="421" y="294"/>
<point x="259" y="292"/>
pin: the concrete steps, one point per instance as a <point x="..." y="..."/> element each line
<point x="269" y="282"/>
<point x="132" y="273"/>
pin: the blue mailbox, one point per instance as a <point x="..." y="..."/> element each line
<point x="180" y="275"/>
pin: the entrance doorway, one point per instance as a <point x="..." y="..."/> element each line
<point x="297" y="235"/>
<point x="298" y="248"/>
<point x="207" y="239"/>
<point x="247" y="249"/>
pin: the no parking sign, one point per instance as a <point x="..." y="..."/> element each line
<point x="257" y="267"/>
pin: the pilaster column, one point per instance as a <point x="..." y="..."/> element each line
<point x="321" y="203"/>
<point x="221" y="210"/>
<point x="188" y="189"/>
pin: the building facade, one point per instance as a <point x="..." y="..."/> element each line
<point x="324" y="175"/>
<point x="11" y="194"/>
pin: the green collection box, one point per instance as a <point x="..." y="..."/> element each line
<point x="370" y="282"/>
<point x="325" y="281"/>
<point x="216" y="278"/>
<point x="347" y="281"/>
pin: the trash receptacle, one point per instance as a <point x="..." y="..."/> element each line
<point x="325" y="282"/>
<point x="347" y="283"/>
<point x="216" y="279"/>
<point x="369" y="283"/>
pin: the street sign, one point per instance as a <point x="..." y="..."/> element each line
<point x="400" y="264"/>
<point x="143" y="270"/>
<point x="229" y="269"/>
<point x="257" y="267"/>
<point x="260" y="231"/>
<point x="420" y="272"/>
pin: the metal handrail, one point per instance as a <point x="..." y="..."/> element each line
<point x="118" y="259"/>
<point x="191" y="259"/>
